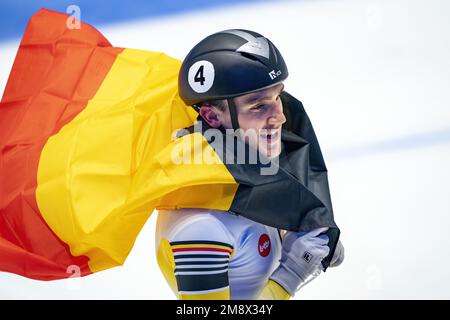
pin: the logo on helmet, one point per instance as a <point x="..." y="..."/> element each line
<point x="254" y="45"/>
<point x="273" y="74"/>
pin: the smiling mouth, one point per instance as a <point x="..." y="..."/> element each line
<point x="271" y="135"/>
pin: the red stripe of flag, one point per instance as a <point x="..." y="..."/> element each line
<point x="55" y="73"/>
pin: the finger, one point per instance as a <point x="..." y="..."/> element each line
<point x="318" y="241"/>
<point x="323" y="237"/>
<point x="324" y="252"/>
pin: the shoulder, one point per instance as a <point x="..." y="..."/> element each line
<point x="187" y="226"/>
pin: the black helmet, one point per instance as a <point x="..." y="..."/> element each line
<point x="228" y="64"/>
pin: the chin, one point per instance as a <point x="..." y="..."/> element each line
<point x="273" y="151"/>
<point x="274" y="154"/>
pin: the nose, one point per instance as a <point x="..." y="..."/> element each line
<point x="277" y="118"/>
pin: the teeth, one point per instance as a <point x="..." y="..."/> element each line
<point x="270" y="135"/>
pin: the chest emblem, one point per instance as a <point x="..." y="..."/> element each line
<point x="264" y="245"/>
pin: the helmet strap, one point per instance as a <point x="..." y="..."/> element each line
<point x="233" y="114"/>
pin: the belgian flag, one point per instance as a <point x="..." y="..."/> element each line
<point x="87" y="146"/>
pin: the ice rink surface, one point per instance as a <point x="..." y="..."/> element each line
<point x="374" y="77"/>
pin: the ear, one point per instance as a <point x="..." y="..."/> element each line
<point x="211" y="115"/>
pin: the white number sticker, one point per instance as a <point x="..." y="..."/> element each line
<point x="201" y="76"/>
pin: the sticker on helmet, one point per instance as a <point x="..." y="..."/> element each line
<point x="201" y="76"/>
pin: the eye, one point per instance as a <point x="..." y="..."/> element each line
<point x="258" y="107"/>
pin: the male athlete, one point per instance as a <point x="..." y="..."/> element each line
<point x="234" y="80"/>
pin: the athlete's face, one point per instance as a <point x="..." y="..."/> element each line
<point x="260" y="116"/>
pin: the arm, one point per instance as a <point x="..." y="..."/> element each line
<point x="201" y="269"/>
<point x="194" y="260"/>
<point x="192" y="275"/>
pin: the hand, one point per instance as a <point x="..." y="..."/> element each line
<point x="301" y="257"/>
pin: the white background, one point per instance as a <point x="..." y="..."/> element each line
<point x="374" y="78"/>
